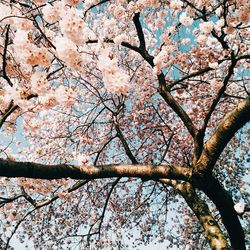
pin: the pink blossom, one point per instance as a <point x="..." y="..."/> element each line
<point x="176" y="5"/>
<point x="51" y="13"/>
<point x="201" y="39"/>
<point x="206" y="27"/>
<point x="186" y="20"/>
<point x="115" y="80"/>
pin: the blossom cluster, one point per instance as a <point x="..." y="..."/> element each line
<point x="39" y="84"/>
<point x="114" y="78"/>
<point x="67" y="51"/>
<point x="73" y="26"/>
<point x="165" y="58"/>
<point x="29" y="53"/>
<point x="52" y="13"/>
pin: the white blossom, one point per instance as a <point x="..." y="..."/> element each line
<point x="239" y="207"/>
<point x="213" y="65"/>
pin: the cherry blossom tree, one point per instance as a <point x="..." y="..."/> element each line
<point x="124" y="120"/>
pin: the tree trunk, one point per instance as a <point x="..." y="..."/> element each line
<point x="225" y="205"/>
<point x="213" y="233"/>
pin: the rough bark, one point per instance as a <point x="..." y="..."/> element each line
<point x="225" y="205"/>
<point x="212" y="231"/>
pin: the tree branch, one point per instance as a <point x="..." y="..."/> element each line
<point x="224" y="132"/>
<point x="136" y="20"/>
<point x="163" y="89"/>
<point x="124" y="142"/>
<point x="95" y="5"/>
<point x="220" y="93"/>
<point x="42" y="171"/>
<point x="101" y="218"/>
<point x="191" y="75"/>
<point x="4" y="200"/>
<point x="165" y="93"/>
<point x="11" y="108"/>
<point x="6" y="43"/>
<point x="198" y="146"/>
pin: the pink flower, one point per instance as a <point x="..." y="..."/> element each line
<point x="201" y="40"/>
<point x="185" y="20"/>
<point x="176" y="5"/>
<point x="206" y="27"/>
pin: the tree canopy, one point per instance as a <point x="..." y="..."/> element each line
<point x="124" y="121"/>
